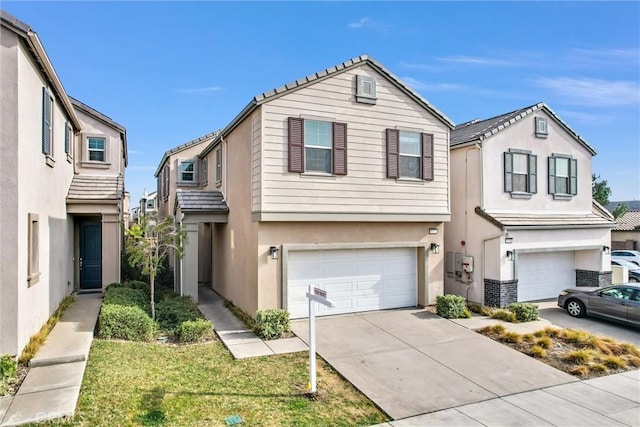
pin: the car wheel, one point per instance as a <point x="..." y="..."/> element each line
<point x="575" y="308"/>
<point x="633" y="280"/>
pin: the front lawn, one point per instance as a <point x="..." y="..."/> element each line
<point x="129" y="383"/>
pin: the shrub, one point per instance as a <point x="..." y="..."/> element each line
<point x="524" y="311"/>
<point x="505" y="315"/>
<point x="538" y="352"/>
<point x="598" y="367"/>
<point x="125" y="322"/>
<point x="451" y="307"/>
<point x="272" y="323"/>
<point x="140" y="286"/>
<point x="580" y="371"/>
<point x="195" y="330"/>
<point x="512" y="337"/>
<point x="614" y="362"/>
<point x="578" y="357"/>
<point x="170" y="313"/>
<point x="8" y="367"/>
<point x="127" y="297"/>
<point x="114" y="285"/>
<point x="544" y="342"/>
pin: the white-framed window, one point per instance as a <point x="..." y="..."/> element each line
<point x="563" y="176"/>
<point x="542" y="129"/>
<point x="96" y="149"/>
<point x="410" y="151"/>
<point x="33" y="260"/>
<point x="187" y="172"/>
<point x="219" y="165"/>
<point x="520" y="173"/>
<point x="318" y="145"/>
<point x="47" y="123"/>
<point x="151" y="203"/>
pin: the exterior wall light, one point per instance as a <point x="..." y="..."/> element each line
<point x="508" y="239"/>
<point x="274" y="252"/>
<point x="606" y="249"/>
<point x="433" y="230"/>
<point x="511" y="255"/>
<point x="435" y="248"/>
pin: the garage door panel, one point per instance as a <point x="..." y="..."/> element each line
<point x="355" y="279"/>
<point x="543" y="275"/>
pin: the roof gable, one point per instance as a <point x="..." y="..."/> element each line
<point x="322" y="75"/>
<point x="481" y="130"/>
<point x="204" y="138"/>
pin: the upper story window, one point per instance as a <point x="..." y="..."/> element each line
<point x="68" y="140"/>
<point x="151" y="203"/>
<point x="520" y="173"/>
<point x="317" y="146"/>
<point x="187" y="172"/>
<point x="409" y="155"/>
<point x="563" y="176"/>
<point x="96" y="149"/>
<point x="219" y="165"/>
<point x="47" y="125"/>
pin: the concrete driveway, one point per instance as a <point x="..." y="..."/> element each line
<point x="411" y="362"/>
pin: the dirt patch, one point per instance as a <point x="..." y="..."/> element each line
<point x="578" y="353"/>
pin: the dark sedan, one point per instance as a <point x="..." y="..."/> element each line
<point x="618" y="302"/>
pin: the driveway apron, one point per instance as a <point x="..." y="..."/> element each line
<point x="411" y="362"/>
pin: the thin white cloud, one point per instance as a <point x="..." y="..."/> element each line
<point x="367" y="23"/>
<point x="200" y="90"/>
<point x="441" y="87"/>
<point x="362" y="22"/>
<point x="613" y="57"/>
<point x="585" y="117"/>
<point x="133" y="152"/>
<point x="587" y="91"/>
<point x="478" y="60"/>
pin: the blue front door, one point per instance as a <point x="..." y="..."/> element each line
<point x="90" y="255"/>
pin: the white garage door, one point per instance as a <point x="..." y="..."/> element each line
<point x="543" y="275"/>
<point x="355" y="279"/>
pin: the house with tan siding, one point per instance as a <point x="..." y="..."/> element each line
<point x="338" y="180"/>
<point x="62" y="168"/>
<point x="523" y="225"/>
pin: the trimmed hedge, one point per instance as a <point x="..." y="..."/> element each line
<point x="524" y="311"/>
<point x="452" y="307"/>
<point x="139" y="285"/>
<point x="125" y="322"/>
<point x="195" y="330"/>
<point x="272" y="323"/>
<point x="170" y="313"/>
<point x="127" y="297"/>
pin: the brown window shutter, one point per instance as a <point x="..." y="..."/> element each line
<point x="296" y="144"/>
<point x="339" y="148"/>
<point x="392" y="153"/>
<point x="427" y="157"/>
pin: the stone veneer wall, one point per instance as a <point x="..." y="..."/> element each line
<point x="500" y="293"/>
<point x="593" y="278"/>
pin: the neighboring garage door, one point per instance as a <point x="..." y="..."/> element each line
<point x="543" y="275"/>
<point x="355" y="279"/>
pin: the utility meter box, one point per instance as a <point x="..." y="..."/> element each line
<point x="467" y="264"/>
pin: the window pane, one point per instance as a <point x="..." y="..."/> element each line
<point x="410" y="167"/>
<point x="317" y="134"/>
<point x="410" y="143"/>
<point x="96" y="143"/>
<point x="97" y="156"/>
<point x="186" y="166"/>
<point x="562" y="185"/>
<point x="520" y="163"/>
<point x="562" y="167"/>
<point x="520" y="182"/>
<point x="318" y="159"/>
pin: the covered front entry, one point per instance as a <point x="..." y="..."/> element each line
<point x="90" y="261"/>
<point x="355" y="279"/>
<point x="543" y="275"/>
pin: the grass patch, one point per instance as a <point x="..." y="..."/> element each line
<point x="578" y="357"/>
<point x="131" y="383"/>
<point x="538" y="352"/>
<point x="39" y="338"/>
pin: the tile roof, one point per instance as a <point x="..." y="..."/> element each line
<point x="630" y="221"/>
<point x="525" y="220"/>
<point x="319" y="76"/>
<point x="96" y="187"/>
<point x="479" y="130"/>
<point x="201" y="201"/>
<point x="204" y="138"/>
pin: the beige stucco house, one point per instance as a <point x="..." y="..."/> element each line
<point x="523" y="224"/>
<point x="338" y="180"/>
<point x="61" y="199"/>
<point x="626" y="233"/>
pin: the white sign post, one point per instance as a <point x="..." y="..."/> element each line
<point x="320" y="296"/>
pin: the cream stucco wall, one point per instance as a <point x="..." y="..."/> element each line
<point x="91" y="126"/>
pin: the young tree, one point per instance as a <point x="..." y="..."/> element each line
<point x="149" y="242"/>
<point x="601" y="193"/>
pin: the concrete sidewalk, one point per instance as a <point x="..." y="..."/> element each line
<point x="241" y="342"/>
<point x="52" y="386"/>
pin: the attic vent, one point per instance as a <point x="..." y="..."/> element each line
<point x="365" y="89"/>
<point x="542" y="130"/>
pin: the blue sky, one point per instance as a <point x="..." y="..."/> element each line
<point x="173" y="71"/>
